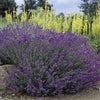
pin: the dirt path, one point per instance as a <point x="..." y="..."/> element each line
<point x="89" y="94"/>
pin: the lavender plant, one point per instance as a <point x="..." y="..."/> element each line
<point x="48" y="63"/>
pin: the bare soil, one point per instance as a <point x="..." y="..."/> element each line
<point x="88" y="94"/>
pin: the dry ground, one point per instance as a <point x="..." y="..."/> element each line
<point x="89" y="94"/>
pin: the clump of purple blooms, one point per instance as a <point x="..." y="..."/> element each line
<point x="48" y="63"/>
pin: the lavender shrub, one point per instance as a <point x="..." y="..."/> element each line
<point x="49" y="63"/>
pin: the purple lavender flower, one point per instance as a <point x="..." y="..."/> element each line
<point x="48" y="63"/>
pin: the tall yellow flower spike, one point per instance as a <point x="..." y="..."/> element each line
<point x="65" y="24"/>
<point x="45" y="8"/>
<point x="45" y="5"/>
<point x="96" y="22"/>
<point x="14" y="13"/>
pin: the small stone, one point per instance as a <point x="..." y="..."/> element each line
<point x="0" y="97"/>
<point x="13" y="94"/>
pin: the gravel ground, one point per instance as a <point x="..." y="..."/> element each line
<point x="89" y="94"/>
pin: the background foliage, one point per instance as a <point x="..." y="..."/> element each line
<point x="7" y="5"/>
